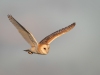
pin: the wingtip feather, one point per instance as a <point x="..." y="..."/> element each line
<point x="73" y="24"/>
<point x="9" y="16"/>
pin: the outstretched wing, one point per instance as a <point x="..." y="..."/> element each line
<point x="51" y="37"/>
<point x="25" y="33"/>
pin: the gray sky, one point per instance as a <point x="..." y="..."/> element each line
<point x="75" y="53"/>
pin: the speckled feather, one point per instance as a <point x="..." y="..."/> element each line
<point x="51" y="37"/>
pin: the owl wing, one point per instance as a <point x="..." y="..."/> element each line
<point x="51" y="37"/>
<point x="25" y="33"/>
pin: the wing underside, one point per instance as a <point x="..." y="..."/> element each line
<point x="53" y="36"/>
<point x="25" y="33"/>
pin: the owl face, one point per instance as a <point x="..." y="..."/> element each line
<point x="43" y="48"/>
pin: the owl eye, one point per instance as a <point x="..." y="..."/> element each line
<point x="44" y="48"/>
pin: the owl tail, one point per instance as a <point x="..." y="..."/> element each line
<point x="29" y="52"/>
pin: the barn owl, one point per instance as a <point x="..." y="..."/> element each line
<point x="43" y="46"/>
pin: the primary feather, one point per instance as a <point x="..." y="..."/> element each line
<point x="53" y="36"/>
<point x="25" y="33"/>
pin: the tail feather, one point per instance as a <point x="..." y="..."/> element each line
<point x="27" y="50"/>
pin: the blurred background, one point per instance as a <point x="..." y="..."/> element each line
<point x="75" y="53"/>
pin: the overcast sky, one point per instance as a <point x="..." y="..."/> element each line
<point x="75" y="53"/>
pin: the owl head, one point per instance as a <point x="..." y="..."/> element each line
<point x="43" y="48"/>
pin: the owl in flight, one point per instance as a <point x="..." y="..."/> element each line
<point x="43" y="46"/>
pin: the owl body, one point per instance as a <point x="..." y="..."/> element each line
<point x="40" y="49"/>
<point x="33" y="49"/>
<point x="43" y="46"/>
